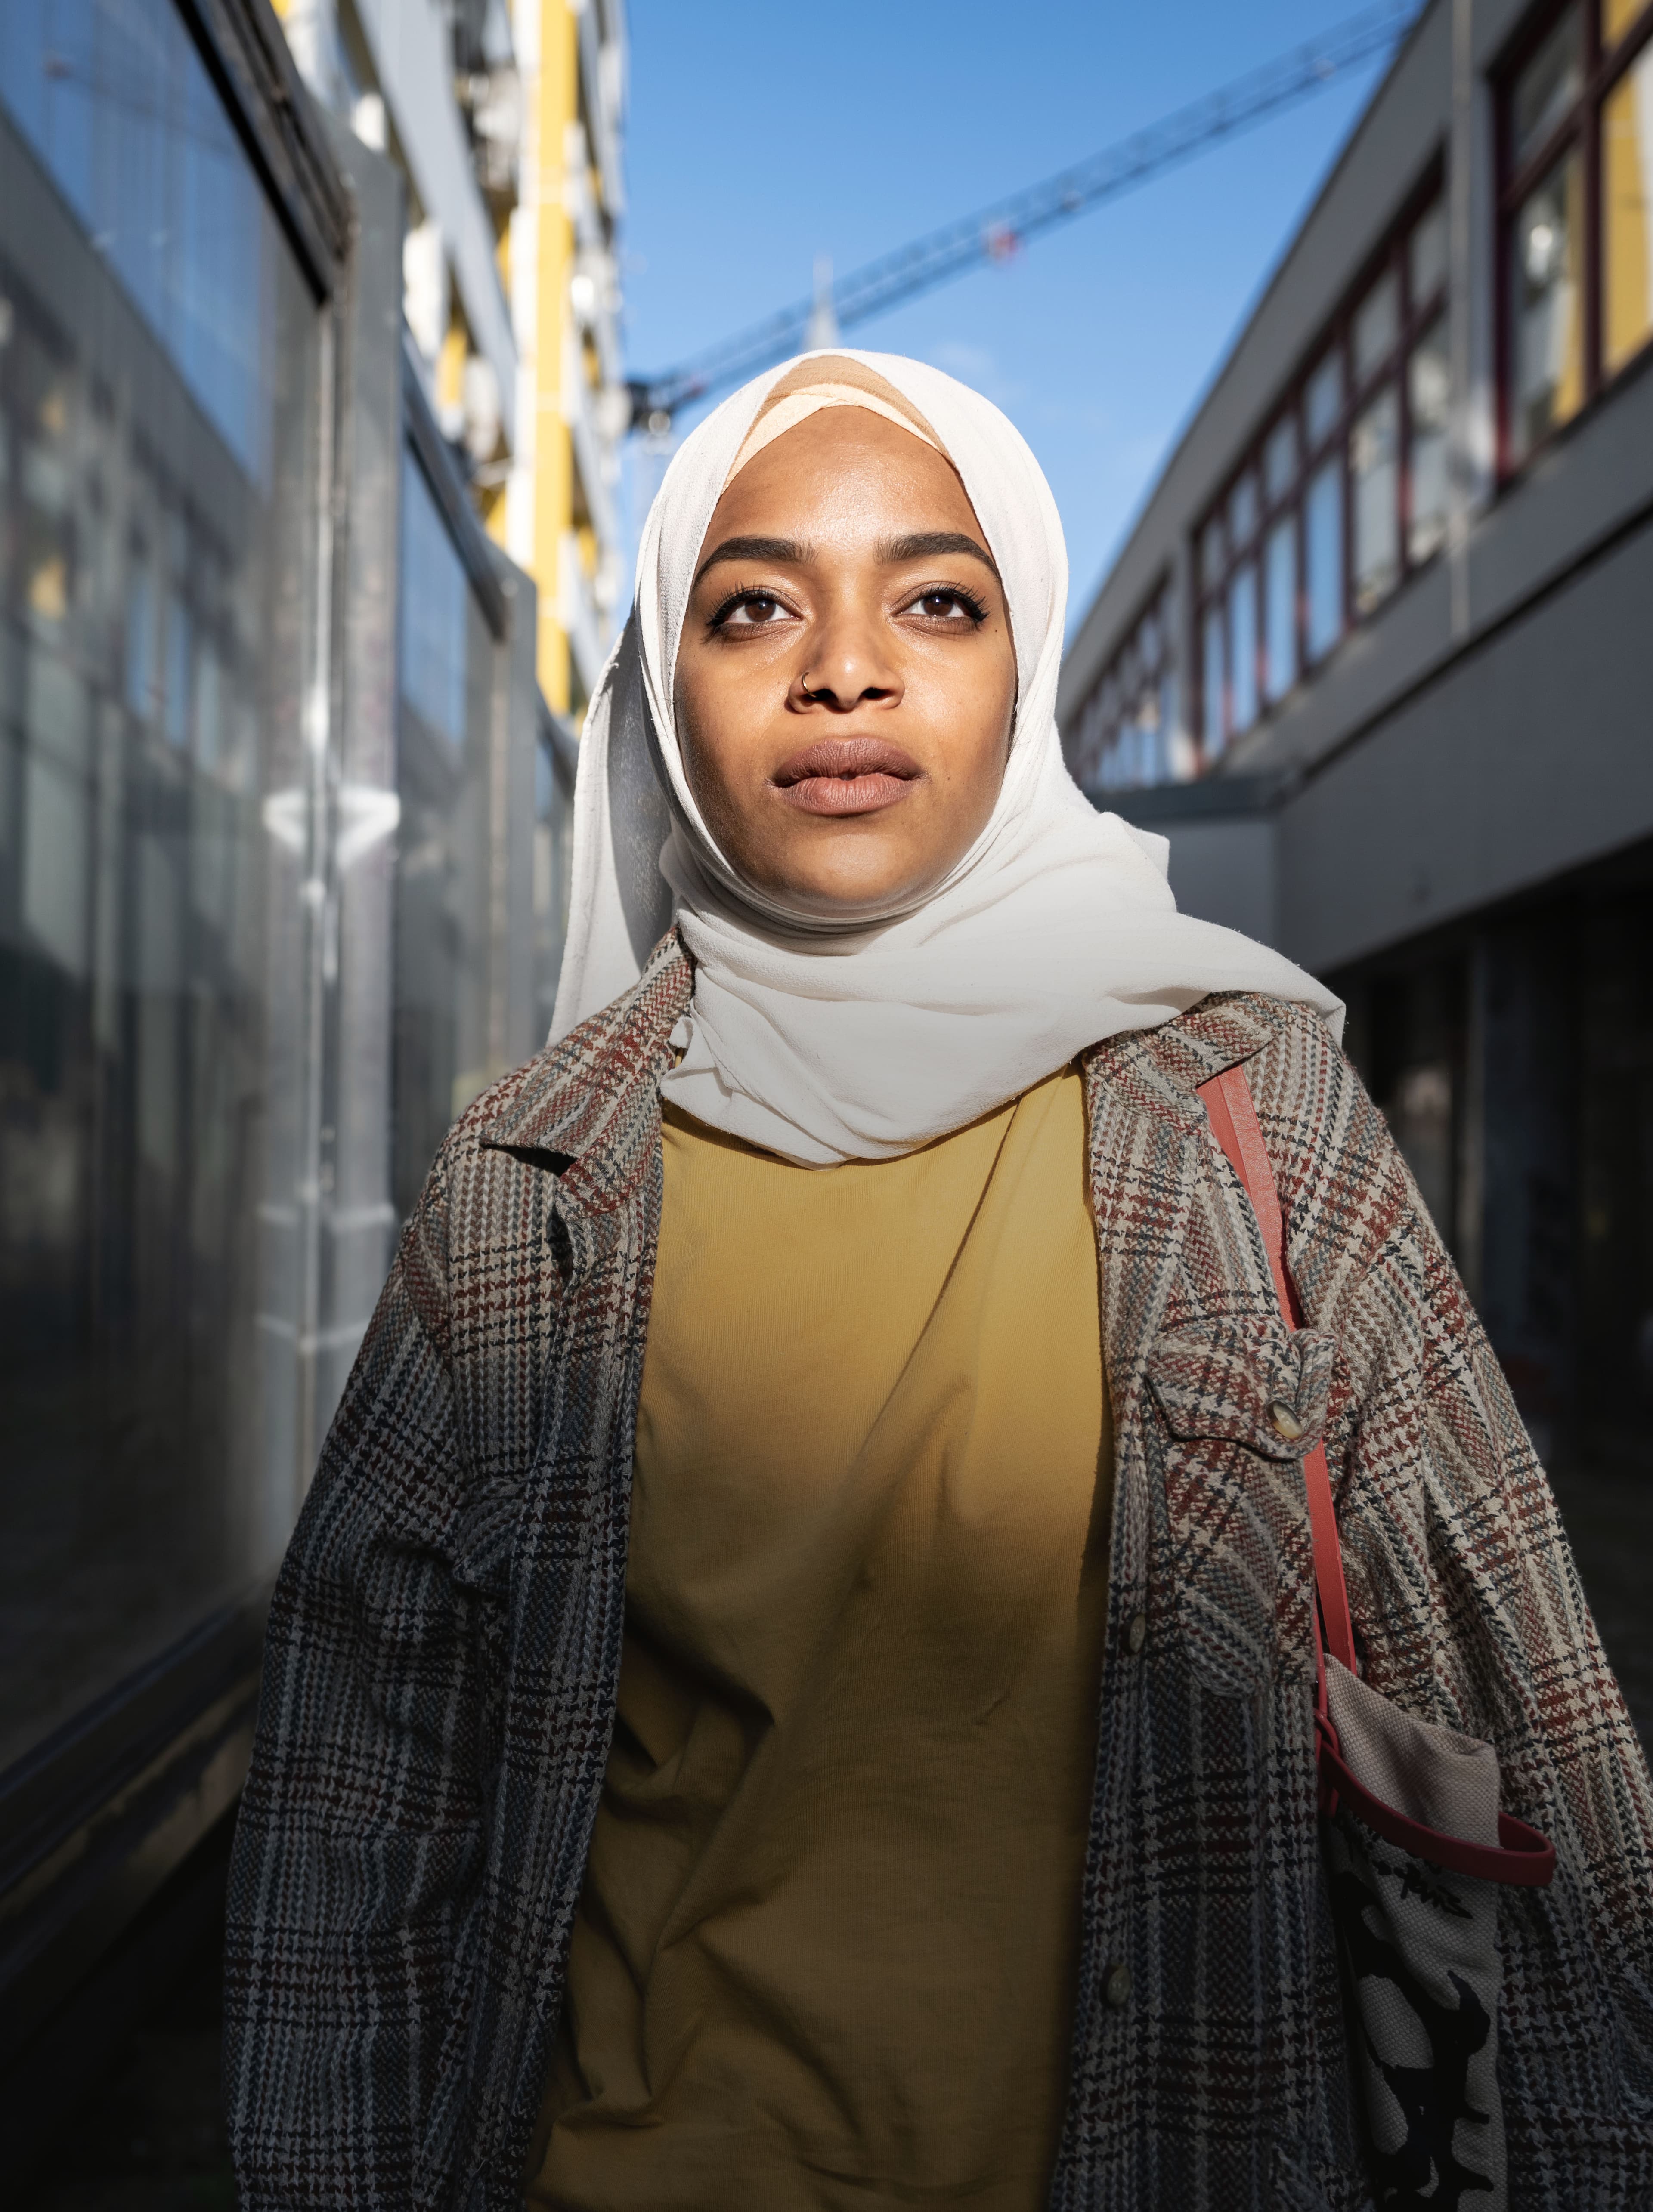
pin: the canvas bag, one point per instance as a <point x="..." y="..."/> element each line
<point x="1415" y="1848"/>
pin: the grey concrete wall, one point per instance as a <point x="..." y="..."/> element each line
<point x="1226" y="871"/>
<point x="1530" y="755"/>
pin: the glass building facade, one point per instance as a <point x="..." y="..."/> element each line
<point x="159" y="416"/>
<point x="282" y="868"/>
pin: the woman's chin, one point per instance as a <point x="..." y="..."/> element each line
<point x="852" y="894"/>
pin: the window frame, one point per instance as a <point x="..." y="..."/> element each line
<point x="1336" y="334"/>
<point x="1603" y="69"/>
<point x="1098" y="729"/>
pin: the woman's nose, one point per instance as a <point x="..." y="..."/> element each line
<point x="844" y="665"/>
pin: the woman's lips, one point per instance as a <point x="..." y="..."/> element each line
<point x="846" y="775"/>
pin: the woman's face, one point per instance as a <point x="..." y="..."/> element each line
<point x="847" y="677"/>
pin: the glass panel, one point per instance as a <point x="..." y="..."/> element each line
<point x="443" y="875"/>
<point x="1546" y="87"/>
<point x="1325" y="397"/>
<point x="1213" y="728"/>
<point x="1280" y="459"/>
<point x="1181" y="761"/>
<point x="1375" y="490"/>
<point x="1377" y="325"/>
<point x="1627" y="214"/>
<point x="435" y="598"/>
<point x="1242" y="663"/>
<point x="1242" y="510"/>
<point x="157" y="495"/>
<point x="1547" y="344"/>
<point x="1428" y="377"/>
<point x="1280" y="579"/>
<point x="1616" y="17"/>
<point x="1426" y="256"/>
<point x="1323" y="557"/>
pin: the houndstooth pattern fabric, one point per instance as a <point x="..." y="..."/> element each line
<point x="444" y="1648"/>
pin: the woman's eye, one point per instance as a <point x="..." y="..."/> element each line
<point x="947" y="606"/>
<point x="753" y="612"/>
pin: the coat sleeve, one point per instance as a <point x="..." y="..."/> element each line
<point x="360" y="1835"/>
<point x="1468" y="1610"/>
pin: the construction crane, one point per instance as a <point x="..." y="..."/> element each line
<point x="997" y="232"/>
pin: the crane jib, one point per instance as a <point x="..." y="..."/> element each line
<point x="995" y="233"/>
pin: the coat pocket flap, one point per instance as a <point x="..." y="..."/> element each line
<point x="1248" y="1380"/>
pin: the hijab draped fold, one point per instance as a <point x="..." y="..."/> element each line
<point x="1058" y="928"/>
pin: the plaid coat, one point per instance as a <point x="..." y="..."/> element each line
<point x="444" y="1648"/>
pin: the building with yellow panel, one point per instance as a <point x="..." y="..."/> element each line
<point x="506" y="123"/>
<point x="559" y="518"/>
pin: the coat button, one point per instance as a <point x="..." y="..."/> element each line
<point x="1284" y="1420"/>
<point x="1137" y="1634"/>
<point x="1116" y="1989"/>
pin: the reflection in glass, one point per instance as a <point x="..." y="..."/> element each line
<point x="1426" y="255"/>
<point x="1627" y="214"/>
<point x="1429" y="391"/>
<point x="1547" y="88"/>
<point x="1375" y="490"/>
<point x="1377" y="325"/>
<point x="1280" y="583"/>
<point x="113" y="98"/>
<point x="1212" y="729"/>
<point x="1546" y="346"/>
<point x="440" y="1052"/>
<point x="1325" y="397"/>
<point x="157" y="486"/>
<point x="1242" y="660"/>
<point x="432" y="641"/>
<point x="1242" y="510"/>
<point x="1323" y="557"/>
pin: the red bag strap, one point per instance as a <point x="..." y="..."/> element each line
<point x="1522" y="1857"/>
<point x="1234" y="1123"/>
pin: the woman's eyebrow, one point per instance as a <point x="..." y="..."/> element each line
<point x="931" y="544"/>
<point x="755" y="549"/>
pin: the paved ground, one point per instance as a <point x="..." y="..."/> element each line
<point x="153" y="2139"/>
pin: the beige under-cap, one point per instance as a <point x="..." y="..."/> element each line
<point x="828" y="381"/>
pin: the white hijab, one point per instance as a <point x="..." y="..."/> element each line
<point x="823" y="1043"/>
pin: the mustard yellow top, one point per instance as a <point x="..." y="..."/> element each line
<point x="825" y="1952"/>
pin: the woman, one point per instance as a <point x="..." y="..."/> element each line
<point x="774" y="1698"/>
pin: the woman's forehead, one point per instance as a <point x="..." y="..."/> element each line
<point x="845" y="468"/>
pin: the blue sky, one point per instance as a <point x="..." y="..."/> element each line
<point x="762" y="136"/>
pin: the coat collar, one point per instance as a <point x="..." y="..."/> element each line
<point x="578" y="1112"/>
<point x="1163" y="1069"/>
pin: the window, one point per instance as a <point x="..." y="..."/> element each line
<point x="1429" y="386"/>
<point x="1578" y="186"/>
<point x="1627" y="213"/>
<point x="1242" y="649"/>
<point x="1323" y="522"/>
<point x="1345" y="491"/>
<point x="1280" y="626"/>
<point x="433" y="641"/>
<point x="1127" y="733"/>
<point x="1374" y="489"/>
